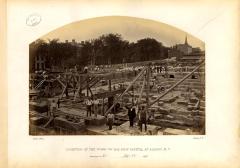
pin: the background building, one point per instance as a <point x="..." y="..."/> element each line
<point x="186" y="53"/>
<point x="40" y="62"/>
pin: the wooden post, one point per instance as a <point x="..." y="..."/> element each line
<point x="64" y="89"/>
<point x="78" y="91"/>
<point x="103" y="106"/>
<point x="87" y="86"/>
<point x="129" y="86"/>
<point x="109" y="85"/>
<point x="143" y="86"/>
<point x="132" y="95"/>
<point x="148" y="86"/>
<point x="40" y="83"/>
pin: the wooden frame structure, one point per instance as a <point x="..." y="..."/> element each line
<point x="147" y="76"/>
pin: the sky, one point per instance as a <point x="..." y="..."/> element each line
<point x="131" y="29"/>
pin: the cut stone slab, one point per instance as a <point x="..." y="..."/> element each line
<point x="172" y="110"/>
<point x="124" y="129"/>
<point x="171" y="131"/>
<point x="193" y="99"/>
<point x="172" y="123"/>
<point x="190" y="107"/>
<point x="40" y="107"/>
<point x="68" y="125"/>
<point x="163" y="111"/>
<point x="97" y="130"/>
<point x="73" y="111"/>
<point x="195" y="112"/>
<point x="122" y="115"/>
<point x="202" y="102"/>
<point x="202" y="108"/>
<point x="160" y="103"/>
<point x="198" y="93"/>
<point x="158" y="116"/>
<point x="169" y="117"/>
<point x="169" y="100"/>
<point x="201" y="113"/>
<point x="182" y="102"/>
<point x="100" y="120"/>
<point x="37" y="120"/>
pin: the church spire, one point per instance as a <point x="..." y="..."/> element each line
<point x="186" y="40"/>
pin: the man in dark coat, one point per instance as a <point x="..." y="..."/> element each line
<point x="131" y="115"/>
<point x="110" y="120"/>
<point x="143" y="119"/>
<point x="58" y="103"/>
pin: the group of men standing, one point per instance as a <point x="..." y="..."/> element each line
<point x="92" y="107"/>
<point x="53" y="105"/>
<point x="134" y="114"/>
<point x="141" y="115"/>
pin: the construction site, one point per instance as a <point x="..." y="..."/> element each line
<point x="171" y="94"/>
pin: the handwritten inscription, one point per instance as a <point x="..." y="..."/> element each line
<point x="198" y="137"/>
<point x="38" y="138"/>
<point x="33" y="20"/>
<point x="137" y="152"/>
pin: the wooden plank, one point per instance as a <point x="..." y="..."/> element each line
<point x="40" y="83"/>
<point x="140" y="97"/>
<point x="129" y="86"/>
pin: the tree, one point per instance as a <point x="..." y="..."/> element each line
<point x="62" y="54"/>
<point x="148" y="49"/>
<point x="53" y="52"/>
<point x="132" y="53"/>
<point x="68" y="54"/>
<point x="112" y="48"/>
<point x="106" y="49"/>
<point x="86" y="53"/>
<point x="97" y="50"/>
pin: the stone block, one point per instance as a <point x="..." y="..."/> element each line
<point x="171" y="123"/>
<point x="40" y="107"/>
<point x="169" y="117"/>
<point x="202" y="108"/>
<point x="190" y="108"/>
<point x="182" y="102"/>
<point x="160" y="103"/>
<point x="188" y="120"/>
<point x="198" y="93"/>
<point x="195" y="112"/>
<point x="69" y="125"/>
<point x="163" y="111"/>
<point x="172" y="110"/>
<point x="100" y="120"/>
<point x="170" y="100"/>
<point x="201" y="113"/>
<point x="37" y="120"/>
<point x="171" y="131"/>
<point x="193" y="100"/>
<point x="158" y="116"/>
<point x="153" y="131"/>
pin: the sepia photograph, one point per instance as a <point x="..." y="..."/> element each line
<point x="120" y="84"/>
<point x="117" y="75"/>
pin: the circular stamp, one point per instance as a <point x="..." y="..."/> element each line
<point x="33" y="19"/>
